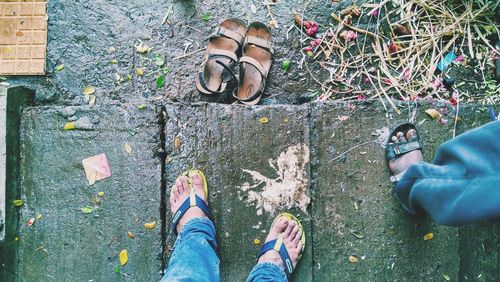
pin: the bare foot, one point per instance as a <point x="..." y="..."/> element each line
<point x="291" y="238"/>
<point x="180" y="192"/>
<point x="399" y="165"/>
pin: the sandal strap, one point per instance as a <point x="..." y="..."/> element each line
<point x="256" y="64"/>
<point x="262" y="43"/>
<point x="214" y="55"/>
<point x="397" y="149"/>
<point x="222" y="31"/>
<point x="192" y="201"/>
<point x="279" y="246"/>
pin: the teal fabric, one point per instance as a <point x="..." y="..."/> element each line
<point x="462" y="184"/>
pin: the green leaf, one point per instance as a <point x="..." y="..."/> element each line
<point x="285" y="65"/>
<point x="160" y="81"/>
<point x="117" y="269"/>
<point x="159" y="61"/>
<point x="18" y="203"/>
<point x="87" y="209"/>
<point x="60" y="67"/>
<point x="166" y="70"/>
<point x="206" y="16"/>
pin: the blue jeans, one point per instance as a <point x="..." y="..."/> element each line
<point x="462" y="185"/>
<point x="194" y="257"/>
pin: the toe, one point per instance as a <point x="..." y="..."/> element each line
<point x="394" y="139"/>
<point x="411" y="134"/>
<point x="198" y="185"/>
<point x="289" y="229"/>
<point x="297" y="236"/>
<point x="402" y="139"/>
<point x="280" y="225"/>
<point x="184" y="183"/>
<point x="294" y="233"/>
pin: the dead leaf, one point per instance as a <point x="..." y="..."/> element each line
<point x="128" y="148"/>
<point x="150" y="225"/>
<point x="114" y="61"/>
<point x="357" y="234"/>
<point x="343" y="118"/>
<point x="177" y="143"/>
<point x="264" y="120"/>
<point x="38" y="217"/>
<point x="89" y="90"/>
<point x="434" y="114"/>
<point x="353" y="259"/>
<point x="428" y="236"/>
<point x="87" y="209"/>
<point x="256" y="241"/>
<point x="130" y="235"/>
<point x="100" y="194"/>
<point x="123" y="257"/>
<point x="142" y="48"/>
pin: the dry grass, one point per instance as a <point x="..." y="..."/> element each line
<point x="398" y="58"/>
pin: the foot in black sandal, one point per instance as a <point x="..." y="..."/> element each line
<point x="403" y="149"/>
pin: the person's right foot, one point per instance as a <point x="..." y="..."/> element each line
<point x="292" y="234"/>
<point x="399" y="165"/>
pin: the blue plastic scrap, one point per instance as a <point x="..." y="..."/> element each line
<point x="492" y="114"/>
<point x="446" y="61"/>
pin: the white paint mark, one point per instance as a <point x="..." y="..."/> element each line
<point x="288" y="190"/>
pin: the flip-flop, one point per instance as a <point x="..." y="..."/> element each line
<point x="278" y="245"/>
<point x="193" y="200"/>
<point x="254" y="64"/>
<point x="220" y="57"/>
<point x="395" y="150"/>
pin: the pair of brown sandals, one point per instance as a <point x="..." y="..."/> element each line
<point x="221" y="57"/>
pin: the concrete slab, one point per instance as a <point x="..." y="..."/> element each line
<point x="65" y="243"/>
<point x="354" y="211"/>
<point x="254" y="170"/>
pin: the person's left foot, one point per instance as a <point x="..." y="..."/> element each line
<point x="399" y="165"/>
<point x="180" y="192"/>
<point x="291" y="238"/>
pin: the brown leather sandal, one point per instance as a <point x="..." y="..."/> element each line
<point x="254" y="64"/>
<point x="220" y="57"/>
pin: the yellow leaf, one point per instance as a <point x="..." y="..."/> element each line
<point x="256" y="241"/>
<point x="446" y="277"/>
<point x="60" y="67"/>
<point x="130" y="235"/>
<point x="141" y="48"/>
<point x="128" y="148"/>
<point x="264" y="120"/>
<point x="428" y="236"/>
<point x="18" y="203"/>
<point x="353" y="259"/>
<point x="123" y="257"/>
<point x="140" y="72"/>
<point x="100" y="194"/>
<point x="70" y="125"/>
<point x="38" y="216"/>
<point x="114" y="61"/>
<point x="434" y="114"/>
<point x="150" y="225"/>
<point x="129" y="77"/>
<point x="88" y="90"/>
<point x="16" y="238"/>
<point x="285" y="120"/>
<point x="141" y="106"/>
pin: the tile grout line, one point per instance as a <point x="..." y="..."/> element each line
<point x="310" y="124"/>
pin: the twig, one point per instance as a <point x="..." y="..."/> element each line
<point x="189" y="54"/>
<point x="352" y="148"/>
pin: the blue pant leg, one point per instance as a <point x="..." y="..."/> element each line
<point x="463" y="183"/>
<point x="194" y="257"/>
<point x="267" y="271"/>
